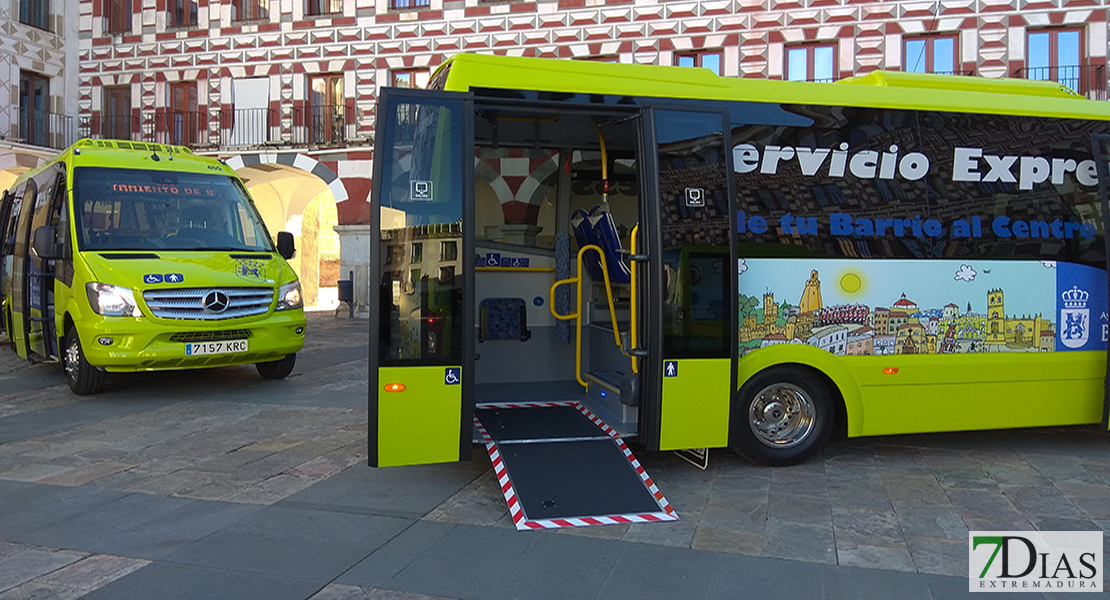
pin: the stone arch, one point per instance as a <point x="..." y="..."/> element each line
<point x="16" y="160"/>
<point x="299" y="194"/>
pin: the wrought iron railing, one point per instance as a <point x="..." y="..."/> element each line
<point x="47" y="129"/>
<point x="1089" y="80"/>
<point x="231" y="128"/>
<point x="322" y="125"/>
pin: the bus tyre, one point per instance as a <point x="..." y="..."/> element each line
<point x="782" y="416"/>
<point x="277" y="369"/>
<point x="82" y="377"/>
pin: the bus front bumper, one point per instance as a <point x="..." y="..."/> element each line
<point x="128" y="345"/>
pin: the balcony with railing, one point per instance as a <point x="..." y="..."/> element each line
<point x="1089" y="80"/>
<point x="313" y="126"/>
<point x="46" y="129"/>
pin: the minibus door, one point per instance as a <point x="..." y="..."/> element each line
<point x="421" y="279"/>
<point x="7" y="202"/>
<point x="43" y="257"/>
<point x="688" y="379"/>
<point x="1100" y="145"/>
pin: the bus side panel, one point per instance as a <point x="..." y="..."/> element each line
<point x="420" y="423"/>
<point x="695" y="404"/>
<point x="968" y="392"/>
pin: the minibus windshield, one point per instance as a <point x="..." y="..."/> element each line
<point x="132" y="209"/>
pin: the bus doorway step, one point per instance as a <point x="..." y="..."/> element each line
<point x="561" y="466"/>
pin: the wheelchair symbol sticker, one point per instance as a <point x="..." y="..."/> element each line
<point x="420" y="190"/>
<point x="452" y="376"/>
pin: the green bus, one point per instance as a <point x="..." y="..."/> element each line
<point x="706" y="262"/>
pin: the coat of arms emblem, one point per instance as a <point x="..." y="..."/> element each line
<point x="1075" y="319"/>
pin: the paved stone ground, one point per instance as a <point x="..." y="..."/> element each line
<point x="98" y="492"/>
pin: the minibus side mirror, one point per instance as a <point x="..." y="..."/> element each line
<point x="285" y="245"/>
<point x="44" y="242"/>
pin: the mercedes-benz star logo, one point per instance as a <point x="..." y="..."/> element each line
<point x="216" y="301"/>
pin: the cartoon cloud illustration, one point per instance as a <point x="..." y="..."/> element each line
<point x="966" y="273"/>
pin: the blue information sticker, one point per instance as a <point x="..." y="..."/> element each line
<point x="452" y="376"/>
<point x="152" y="278"/>
<point x="174" y="278"/>
<point x="670" y="368"/>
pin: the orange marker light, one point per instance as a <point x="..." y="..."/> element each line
<point x="890" y="371"/>
<point x="394" y="387"/>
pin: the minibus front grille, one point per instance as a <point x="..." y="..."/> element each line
<point x="211" y="336"/>
<point x="188" y="303"/>
<point x="131" y="256"/>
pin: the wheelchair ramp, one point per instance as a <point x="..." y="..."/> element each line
<point x="561" y="466"/>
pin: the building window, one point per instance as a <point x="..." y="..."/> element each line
<point x="34" y="108"/>
<point x="116" y="114"/>
<point x="183" y="113"/>
<point x="409" y="79"/>
<point x="117" y="16"/>
<point x="250" y="10"/>
<point x="183" y="13"/>
<point x="1054" y="55"/>
<point x="930" y="55"/>
<point x="811" y="63"/>
<point x="327" y="113"/>
<point x="324" y="7"/>
<point x="705" y="60"/>
<point x="409" y="3"/>
<point x="35" y="13"/>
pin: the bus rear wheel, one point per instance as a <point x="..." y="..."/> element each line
<point x="83" y="378"/>
<point x="277" y="369"/>
<point x="782" y="416"/>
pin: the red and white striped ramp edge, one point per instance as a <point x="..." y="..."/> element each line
<point x="523" y="523"/>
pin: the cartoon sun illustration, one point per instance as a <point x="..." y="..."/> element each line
<point x="851" y="283"/>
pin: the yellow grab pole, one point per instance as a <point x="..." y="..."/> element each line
<point x="578" y="312"/>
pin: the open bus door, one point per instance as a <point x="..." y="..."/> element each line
<point x="421" y="262"/>
<point x="7" y="231"/>
<point x="31" y="278"/>
<point x="689" y="378"/>
<point x="1100" y="144"/>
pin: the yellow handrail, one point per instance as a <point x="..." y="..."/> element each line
<point x="577" y="279"/>
<point x="632" y="301"/>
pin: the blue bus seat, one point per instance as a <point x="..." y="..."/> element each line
<point x="503" y="319"/>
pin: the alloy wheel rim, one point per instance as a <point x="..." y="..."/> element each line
<point x="73" y="360"/>
<point x="781" y="415"/>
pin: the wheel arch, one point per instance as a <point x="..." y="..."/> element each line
<point x="841" y="384"/>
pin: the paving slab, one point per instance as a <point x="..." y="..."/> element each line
<point x="170" y="581"/>
<point x="291" y="542"/>
<point x="406" y="492"/>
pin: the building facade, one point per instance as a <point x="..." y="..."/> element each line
<point x="286" y="89"/>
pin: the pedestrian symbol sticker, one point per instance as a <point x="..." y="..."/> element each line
<point x="452" y="376"/>
<point x="152" y="278"/>
<point x="670" y="368"/>
<point x="174" y="278"/>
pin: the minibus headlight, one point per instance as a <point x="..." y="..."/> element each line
<point x="289" y="296"/>
<point x="112" y="300"/>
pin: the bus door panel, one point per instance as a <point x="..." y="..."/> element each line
<point x="39" y="324"/>
<point x="1100" y="145"/>
<point x="8" y="212"/>
<point x="692" y="256"/>
<point x="421" y="278"/>
<point x="19" y="275"/>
